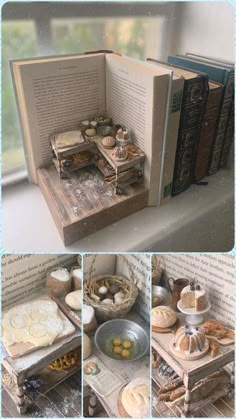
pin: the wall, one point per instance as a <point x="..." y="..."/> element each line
<point x="205" y="28"/>
<point x="216" y="272"/>
<point x="23" y="275"/>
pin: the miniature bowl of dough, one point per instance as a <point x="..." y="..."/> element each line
<point x="159" y="294"/>
<point x="122" y="340"/>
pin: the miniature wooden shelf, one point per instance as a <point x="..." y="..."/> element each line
<point x="118" y="166"/>
<point x="191" y="371"/>
<point x="69" y="151"/>
<point x="127" y="370"/>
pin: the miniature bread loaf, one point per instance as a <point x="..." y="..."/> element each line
<point x="73" y="300"/>
<point x="58" y="282"/>
<point x="136" y="398"/>
<point x="108" y="142"/>
<point x="163" y="316"/>
<point x="87" y="349"/>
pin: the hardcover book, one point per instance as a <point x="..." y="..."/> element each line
<point x="55" y="94"/>
<point x="208" y="131"/>
<point x="175" y="94"/>
<point x="223" y="75"/>
<point x="194" y="100"/>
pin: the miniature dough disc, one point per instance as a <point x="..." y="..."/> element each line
<point x="39" y="315"/>
<point x="37" y="330"/>
<point x="19" y="321"/>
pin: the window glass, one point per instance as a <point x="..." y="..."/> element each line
<point x="18" y="40"/>
<point x="135" y="37"/>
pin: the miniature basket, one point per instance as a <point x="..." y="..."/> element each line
<point x="156" y="271"/>
<point x="105" y="312"/>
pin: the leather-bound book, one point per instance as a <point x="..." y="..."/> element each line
<point x="208" y="131"/>
<point x="193" y="107"/>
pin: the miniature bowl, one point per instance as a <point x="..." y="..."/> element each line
<point x="159" y="292"/>
<point x="105" y="130"/>
<point x="124" y="329"/>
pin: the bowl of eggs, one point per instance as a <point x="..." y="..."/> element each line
<point x="122" y="340"/>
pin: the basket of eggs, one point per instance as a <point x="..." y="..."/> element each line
<point x="111" y="296"/>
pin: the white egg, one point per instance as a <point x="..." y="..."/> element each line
<point x="107" y="301"/>
<point x="102" y="290"/>
<point x="119" y="297"/>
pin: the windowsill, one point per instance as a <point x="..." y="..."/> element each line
<point x="201" y="219"/>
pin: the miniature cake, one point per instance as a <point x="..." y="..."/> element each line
<point x="163" y="316"/>
<point x="193" y="296"/>
<point x="136" y="398"/>
<point x="189" y="339"/>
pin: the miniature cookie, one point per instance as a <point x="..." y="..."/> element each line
<point x="108" y="142"/>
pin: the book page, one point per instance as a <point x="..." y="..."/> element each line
<point x="136" y="100"/>
<point x="23" y="275"/>
<point x="57" y="94"/>
<point x="215" y="272"/>
<point x="138" y="268"/>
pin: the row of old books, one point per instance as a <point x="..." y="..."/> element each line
<point x="200" y="129"/>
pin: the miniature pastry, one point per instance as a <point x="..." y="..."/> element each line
<point x="213" y="346"/>
<point x="73" y="300"/>
<point x="136" y="398"/>
<point x="193" y="296"/>
<point x="68" y="139"/>
<point x="36" y="322"/>
<point x="58" y="282"/>
<point x="87" y="349"/>
<point x="119" y="154"/>
<point x="217" y="329"/>
<point x="189" y="339"/>
<point x="108" y="142"/>
<point x="163" y="316"/>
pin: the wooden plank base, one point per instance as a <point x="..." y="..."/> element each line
<point x="85" y="203"/>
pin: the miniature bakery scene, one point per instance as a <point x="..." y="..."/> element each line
<point x="193" y="336"/>
<point x="116" y="344"/>
<point x="41" y="335"/>
<point x="94" y="169"/>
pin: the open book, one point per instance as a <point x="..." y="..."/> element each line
<point x="56" y="93"/>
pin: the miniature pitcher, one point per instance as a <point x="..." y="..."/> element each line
<point x="176" y="286"/>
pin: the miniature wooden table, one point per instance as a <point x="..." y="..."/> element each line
<point x="192" y="371"/>
<point x="126" y="370"/>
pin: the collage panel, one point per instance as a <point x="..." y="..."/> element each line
<point x="193" y="335"/>
<point x="41" y="335"/>
<point x="116" y="351"/>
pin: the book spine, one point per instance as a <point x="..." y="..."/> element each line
<point x="208" y="132"/>
<point x="171" y="138"/>
<point x="229" y="137"/>
<point x="222" y="125"/>
<point x="193" y="107"/>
